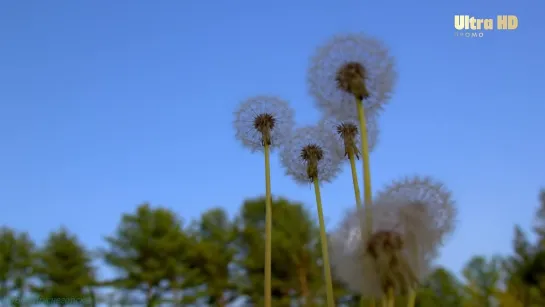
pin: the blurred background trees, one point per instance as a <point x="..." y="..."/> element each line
<point x="155" y="258"/>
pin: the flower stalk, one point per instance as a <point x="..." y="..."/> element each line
<point x="263" y="123"/>
<point x="268" y="227"/>
<point x="367" y="194"/>
<point x="325" y="250"/>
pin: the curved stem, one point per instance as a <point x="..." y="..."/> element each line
<point x="325" y="251"/>
<point x="366" y="168"/>
<point x="268" y="227"/>
<point x="358" y="201"/>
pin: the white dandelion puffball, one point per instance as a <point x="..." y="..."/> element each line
<point x="261" y="115"/>
<point x="349" y="262"/>
<point x="340" y="128"/>
<point x="365" y="52"/>
<point x="354" y="265"/>
<point x="297" y="166"/>
<point x="424" y="208"/>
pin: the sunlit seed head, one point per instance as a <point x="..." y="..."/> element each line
<point x="424" y="208"/>
<point x="351" y="66"/>
<point x="348" y="133"/>
<point x="261" y="120"/>
<point x="312" y="154"/>
<point x="351" y="79"/>
<point x="389" y="258"/>
<point x="264" y="123"/>
<point x="394" y="271"/>
<point x="384" y="241"/>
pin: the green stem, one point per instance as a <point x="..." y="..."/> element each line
<point x="325" y="251"/>
<point x="358" y="202"/>
<point x="268" y="227"/>
<point x="412" y="291"/>
<point x="412" y="298"/>
<point x="355" y="179"/>
<point x="366" y="168"/>
<point x="391" y="298"/>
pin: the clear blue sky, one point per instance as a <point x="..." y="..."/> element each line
<point x="108" y="104"/>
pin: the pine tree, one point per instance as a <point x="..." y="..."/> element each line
<point x="64" y="270"/>
<point x="16" y="259"/>
<point x="149" y="251"/>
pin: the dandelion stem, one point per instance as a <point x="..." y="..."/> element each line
<point x="325" y="251"/>
<point x="412" y="298"/>
<point x="268" y="227"/>
<point x="355" y="179"/>
<point x="366" y="168"/>
<point x="358" y="201"/>
<point x="412" y="291"/>
<point x="391" y="298"/>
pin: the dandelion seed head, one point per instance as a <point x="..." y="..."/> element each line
<point x="347" y="136"/>
<point x="309" y="155"/>
<point x="263" y="120"/>
<point x="425" y="209"/>
<point x="351" y="78"/>
<point x="385" y="259"/>
<point x="350" y="66"/>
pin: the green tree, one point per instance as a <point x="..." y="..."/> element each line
<point x="16" y="259"/>
<point x="294" y="259"/>
<point x="149" y="251"/>
<point x="64" y="269"/>
<point x="213" y="255"/>
<point x="440" y="289"/>
<point x="482" y="281"/>
<point x="525" y="280"/>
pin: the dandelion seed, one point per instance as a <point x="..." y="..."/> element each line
<point x="351" y="67"/>
<point x="263" y="119"/>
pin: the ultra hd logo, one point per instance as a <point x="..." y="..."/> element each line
<point x="472" y="27"/>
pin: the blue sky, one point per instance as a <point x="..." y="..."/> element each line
<point x="108" y="104"/>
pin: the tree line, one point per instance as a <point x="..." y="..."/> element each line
<point x="158" y="259"/>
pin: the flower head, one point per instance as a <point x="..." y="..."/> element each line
<point x="310" y="155"/>
<point x="348" y="67"/>
<point x="385" y="260"/>
<point x="347" y="136"/>
<point x="263" y="120"/>
<point x="424" y="207"/>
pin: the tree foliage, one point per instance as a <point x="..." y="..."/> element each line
<point x="216" y="260"/>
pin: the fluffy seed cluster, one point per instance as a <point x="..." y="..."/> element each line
<point x="411" y="219"/>
<point x="424" y="206"/>
<point x="350" y="66"/>
<point x="346" y="133"/>
<point x="352" y="260"/>
<point x="263" y="119"/>
<point x="309" y="154"/>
